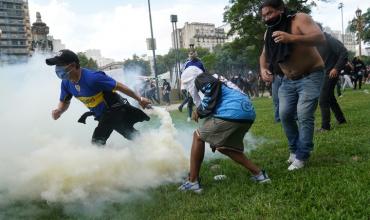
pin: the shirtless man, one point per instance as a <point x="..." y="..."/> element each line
<point x="290" y="41"/>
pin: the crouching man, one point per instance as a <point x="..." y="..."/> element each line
<point x="228" y="114"/>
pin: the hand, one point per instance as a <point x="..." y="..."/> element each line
<point x="266" y="75"/>
<point x="56" y="113"/>
<point x="333" y="73"/>
<point x="195" y="116"/>
<point x="144" y="102"/>
<point x="282" y="37"/>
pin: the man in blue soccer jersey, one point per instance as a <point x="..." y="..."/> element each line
<point x="98" y="92"/>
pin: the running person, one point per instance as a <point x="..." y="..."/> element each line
<point x="98" y="92"/>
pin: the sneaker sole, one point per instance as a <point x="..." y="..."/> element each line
<point x="294" y="168"/>
<point x="265" y="181"/>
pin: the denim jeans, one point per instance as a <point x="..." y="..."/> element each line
<point x="301" y="97"/>
<point x="276" y="83"/>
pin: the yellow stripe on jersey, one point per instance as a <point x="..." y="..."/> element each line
<point x="92" y="101"/>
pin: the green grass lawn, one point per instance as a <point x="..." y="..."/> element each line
<point x="335" y="184"/>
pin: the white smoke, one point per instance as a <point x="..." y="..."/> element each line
<point x="62" y="171"/>
<point x="53" y="161"/>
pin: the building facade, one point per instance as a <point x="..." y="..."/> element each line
<point x="57" y="44"/>
<point x="349" y="39"/>
<point x="229" y="38"/>
<point x="95" y="54"/>
<point x="16" y="38"/>
<point x="200" y="35"/>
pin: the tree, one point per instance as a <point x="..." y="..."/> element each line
<point x="365" y="33"/>
<point x="202" y="52"/>
<point x="87" y="62"/>
<point x="245" y="20"/>
<point x="161" y="64"/>
<point x="209" y="62"/>
<point x="137" y="65"/>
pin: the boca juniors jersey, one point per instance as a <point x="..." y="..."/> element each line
<point x="89" y="90"/>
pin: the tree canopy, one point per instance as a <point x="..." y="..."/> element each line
<point x="87" y="62"/>
<point x="246" y="22"/>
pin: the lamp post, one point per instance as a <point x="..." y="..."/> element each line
<point x="340" y="6"/>
<point x="175" y="40"/>
<point x="177" y="55"/>
<point x="178" y="48"/>
<point x="153" y="47"/>
<point x="359" y="29"/>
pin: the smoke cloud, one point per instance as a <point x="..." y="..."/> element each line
<point x="53" y="161"/>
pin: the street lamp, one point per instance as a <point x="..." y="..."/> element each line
<point x="340" y="6"/>
<point x="176" y="47"/>
<point x="359" y="28"/>
<point x="152" y="41"/>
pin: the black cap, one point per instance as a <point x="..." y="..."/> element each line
<point x="63" y="57"/>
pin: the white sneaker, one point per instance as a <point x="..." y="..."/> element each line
<point x="189" y="119"/>
<point x="191" y="186"/>
<point x="291" y="158"/>
<point x="297" y="164"/>
<point x="261" y="178"/>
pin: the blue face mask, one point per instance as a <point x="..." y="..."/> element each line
<point x="62" y="72"/>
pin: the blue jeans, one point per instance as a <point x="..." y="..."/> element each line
<point x="301" y="97"/>
<point x="276" y="83"/>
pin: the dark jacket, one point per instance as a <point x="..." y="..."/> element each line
<point x="360" y="67"/>
<point x="333" y="53"/>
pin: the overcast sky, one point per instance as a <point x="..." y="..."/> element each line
<point x="120" y="28"/>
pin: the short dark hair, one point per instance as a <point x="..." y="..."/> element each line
<point x="277" y="4"/>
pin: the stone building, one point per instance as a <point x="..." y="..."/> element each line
<point x="40" y="39"/>
<point x="200" y="35"/>
<point x="349" y="39"/>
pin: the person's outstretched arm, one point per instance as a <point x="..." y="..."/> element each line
<point x="126" y="90"/>
<point x="62" y="107"/>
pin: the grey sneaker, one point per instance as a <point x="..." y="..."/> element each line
<point x="261" y="178"/>
<point x="297" y="164"/>
<point x="189" y="186"/>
